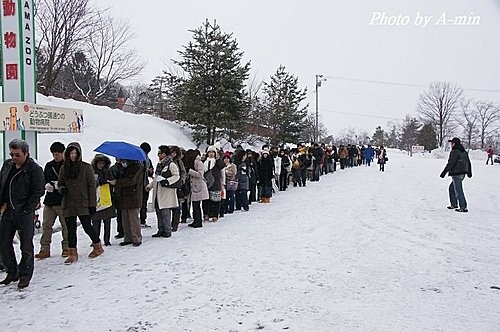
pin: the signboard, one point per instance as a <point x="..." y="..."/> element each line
<point x="18" y="51"/>
<point x="40" y="118"/>
<point x="417" y="149"/>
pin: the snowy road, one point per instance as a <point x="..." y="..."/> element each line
<point x="360" y="250"/>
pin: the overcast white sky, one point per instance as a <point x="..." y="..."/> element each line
<point x="335" y="38"/>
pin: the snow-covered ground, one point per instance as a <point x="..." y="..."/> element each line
<point x="358" y="251"/>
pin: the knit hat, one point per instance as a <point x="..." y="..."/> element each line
<point x="227" y="154"/>
<point x="265" y="151"/>
<point x="211" y="148"/>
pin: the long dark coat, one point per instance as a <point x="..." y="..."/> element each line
<point x="80" y="192"/>
<point x="131" y="186"/>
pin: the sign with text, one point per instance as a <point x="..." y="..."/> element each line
<point x="417" y="149"/>
<point x="40" y="118"/>
<point x="18" y="50"/>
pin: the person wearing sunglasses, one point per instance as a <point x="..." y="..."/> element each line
<point x="22" y="184"/>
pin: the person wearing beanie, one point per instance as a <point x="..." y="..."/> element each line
<point x="52" y="203"/>
<point x="457" y="167"/>
<point x="214" y="168"/>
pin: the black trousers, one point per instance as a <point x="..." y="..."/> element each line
<point x="144" y="207"/>
<point x="211" y="208"/>
<point x="119" y="224"/>
<point x="283" y="179"/>
<point x="107" y="228"/>
<point x="23" y="223"/>
<point x="197" y="213"/>
<point x="87" y="227"/>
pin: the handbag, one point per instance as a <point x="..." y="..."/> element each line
<point x="232" y="185"/>
<point x="214" y="196"/>
<point x="103" y="193"/>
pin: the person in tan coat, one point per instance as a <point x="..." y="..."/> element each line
<point x="199" y="190"/>
<point x="77" y="185"/>
<point x="131" y="187"/>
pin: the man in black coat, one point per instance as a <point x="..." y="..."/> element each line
<point x="52" y="203"/>
<point x="457" y="167"/>
<point x="22" y="184"/>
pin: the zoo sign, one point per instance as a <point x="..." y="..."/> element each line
<point x="40" y="118"/>
<point x="18" y="51"/>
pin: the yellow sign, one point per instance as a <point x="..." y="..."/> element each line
<point x="40" y="118"/>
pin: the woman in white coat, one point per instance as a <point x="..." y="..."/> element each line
<point x="164" y="193"/>
<point x="199" y="191"/>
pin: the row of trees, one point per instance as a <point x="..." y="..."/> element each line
<point x="209" y="89"/>
<point x="443" y="111"/>
<point x="82" y="51"/>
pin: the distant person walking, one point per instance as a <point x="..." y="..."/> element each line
<point x="382" y="158"/>
<point x="457" y="167"/>
<point x="490" y="153"/>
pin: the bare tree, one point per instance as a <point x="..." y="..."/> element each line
<point x="110" y="54"/>
<point x="470" y="121"/>
<point x="487" y="115"/>
<point x="437" y="106"/>
<point x="61" y="26"/>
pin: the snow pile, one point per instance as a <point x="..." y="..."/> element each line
<point x="105" y="124"/>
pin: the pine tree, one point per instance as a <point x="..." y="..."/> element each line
<point x="392" y="140"/>
<point x="282" y="102"/>
<point x="379" y="137"/>
<point x="211" y="96"/>
<point x="409" y="133"/>
<point x="427" y="137"/>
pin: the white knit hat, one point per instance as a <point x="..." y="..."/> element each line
<point x="211" y="148"/>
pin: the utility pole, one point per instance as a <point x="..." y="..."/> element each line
<point x="319" y="79"/>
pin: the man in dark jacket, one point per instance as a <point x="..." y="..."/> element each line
<point x="21" y="186"/>
<point x="457" y="167"/>
<point x="148" y="173"/>
<point x="52" y="203"/>
<point x="131" y="186"/>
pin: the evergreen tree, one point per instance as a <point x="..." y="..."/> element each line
<point x="409" y="133"/>
<point x="379" y="137"/>
<point x="392" y="139"/>
<point x="282" y="102"/>
<point x="211" y="96"/>
<point x="427" y="137"/>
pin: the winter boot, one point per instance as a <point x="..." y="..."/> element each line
<point x="176" y="218"/>
<point x="97" y="251"/>
<point x="65" y="252"/>
<point x="44" y="253"/>
<point x="72" y="257"/>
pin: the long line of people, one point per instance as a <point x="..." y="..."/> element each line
<point x="184" y="185"/>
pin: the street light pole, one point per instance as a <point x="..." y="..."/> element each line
<point x="319" y="79"/>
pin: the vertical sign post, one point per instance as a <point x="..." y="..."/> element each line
<point x="17" y="30"/>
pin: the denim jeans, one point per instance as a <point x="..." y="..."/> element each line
<point x="456" y="191"/>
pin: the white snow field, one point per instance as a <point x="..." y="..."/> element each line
<point x="360" y="250"/>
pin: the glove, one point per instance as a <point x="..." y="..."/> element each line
<point x="443" y="174"/>
<point x="92" y="210"/>
<point x="63" y="190"/>
<point x="469" y="175"/>
<point x="164" y="183"/>
<point x="49" y="187"/>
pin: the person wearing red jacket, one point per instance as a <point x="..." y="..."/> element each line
<point x="489" y="151"/>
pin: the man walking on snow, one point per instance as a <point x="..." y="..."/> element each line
<point x="457" y="167"/>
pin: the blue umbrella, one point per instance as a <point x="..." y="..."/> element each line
<point x="121" y="150"/>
